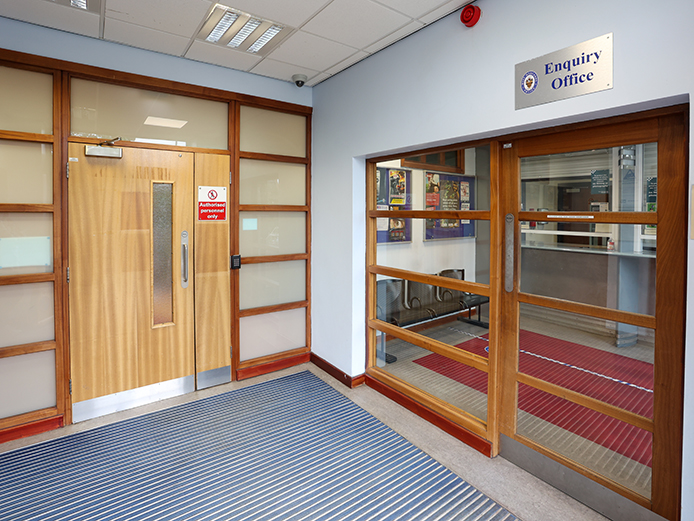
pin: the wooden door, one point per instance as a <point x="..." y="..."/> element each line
<point x="592" y="335"/>
<point x="131" y="301"/>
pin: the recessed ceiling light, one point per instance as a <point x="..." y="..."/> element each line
<point x="250" y="26"/>
<point x="227" y="20"/>
<point x="81" y="4"/>
<point x="164" y="122"/>
<point x="266" y="37"/>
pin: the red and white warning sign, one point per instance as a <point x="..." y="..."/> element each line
<point x="212" y="203"/>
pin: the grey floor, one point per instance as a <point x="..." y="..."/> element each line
<point x="521" y="493"/>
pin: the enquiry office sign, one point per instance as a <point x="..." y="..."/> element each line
<point x="581" y="69"/>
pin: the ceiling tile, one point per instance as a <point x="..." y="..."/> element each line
<point x="294" y="14"/>
<point x="394" y="37"/>
<point x="359" y="55"/>
<point x="138" y="36"/>
<point x="442" y="11"/>
<point x="357" y="23"/>
<point x="209" y="53"/>
<point x="281" y="70"/>
<point x="315" y="81"/>
<point x="413" y="8"/>
<point x="312" y="52"/>
<point x="181" y="17"/>
<point x="40" y="12"/>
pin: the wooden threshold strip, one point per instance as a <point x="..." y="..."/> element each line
<point x="626" y="317"/>
<point x="435" y="280"/>
<point x="274" y="258"/>
<point x="592" y="217"/>
<point x="272" y="309"/>
<point x="586" y="401"/>
<point x="9" y="280"/>
<point x="475" y="215"/>
<point x="585" y="471"/>
<point x="25" y="349"/>
<point x="439" y="406"/>
<point x="26" y="208"/>
<point x="435" y="346"/>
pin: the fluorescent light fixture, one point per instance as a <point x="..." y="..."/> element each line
<point x="266" y="37"/>
<point x="227" y="20"/>
<point x="251" y="25"/>
<point x="81" y="4"/>
<point x="165" y="122"/>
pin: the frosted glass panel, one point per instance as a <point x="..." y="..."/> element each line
<point x="26" y="313"/>
<point x="108" y="111"/>
<point x="263" y="335"/>
<point x="272" y="233"/>
<point x="26" y="243"/>
<point x="26" y="172"/>
<point x="27" y="383"/>
<point x="26" y="101"/>
<point x="266" y="182"/>
<point x="162" y="260"/>
<point x="272" y="132"/>
<point x="272" y="283"/>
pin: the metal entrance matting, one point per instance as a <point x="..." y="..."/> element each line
<point x="291" y="448"/>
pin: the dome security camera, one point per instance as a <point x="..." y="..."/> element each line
<point x="299" y="79"/>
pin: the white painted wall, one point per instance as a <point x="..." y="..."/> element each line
<point x="32" y="39"/>
<point x="448" y="83"/>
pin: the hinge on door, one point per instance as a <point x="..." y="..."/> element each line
<point x="68" y="274"/>
<point x="230" y="179"/>
<point x="70" y="386"/>
<point x="231" y="352"/>
<point x="67" y="170"/>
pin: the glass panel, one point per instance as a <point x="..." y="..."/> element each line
<point x="26" y="172"/>
<point x="267" y="182"/>
<point x="272" y="132"/>
<point x="27" y="383"/>
<point x="606" y="360"/>
<point x="468" y="251"/>
<point x="26" y="243"/>
<point x="618" y="273"/>
<point x="26" y="313"/>
<point x="400" y="188"/>
<point x="456" y="318"/>
<point x="619" y="179"/>
<point x="272" y="283"/>
<point x="162" y="253"/>
<point x="272" y="233"/>
<point x="26" y="101"/>
<point x="610" y="447"/>
<point x="263" y="335"/>
<point x="108" y="111"/>
<point x="458" y="384"/>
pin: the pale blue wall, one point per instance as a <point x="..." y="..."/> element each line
<point x="448" y="83"/>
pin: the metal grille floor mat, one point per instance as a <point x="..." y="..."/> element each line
<point x="288" y="449"/>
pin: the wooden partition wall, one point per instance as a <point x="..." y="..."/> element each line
<point x="507" y="376"/>
<point x="224" y="348"/>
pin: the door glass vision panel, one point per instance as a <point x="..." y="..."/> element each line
<point x="587" y="303"/>
<point x="431" y="326"/>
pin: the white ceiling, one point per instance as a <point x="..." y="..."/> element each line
<point x="327" y="36"/>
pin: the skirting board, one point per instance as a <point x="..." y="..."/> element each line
<point x="349" y="381"/>
<point x="29" y="429"/>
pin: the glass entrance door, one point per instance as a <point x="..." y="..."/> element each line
<point x="593" y="303"/>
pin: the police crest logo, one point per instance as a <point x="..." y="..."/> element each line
<point x="529" y="82"/>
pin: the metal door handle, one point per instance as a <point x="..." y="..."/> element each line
<point x="184" y="259"/>
<point x="509" y="254"/>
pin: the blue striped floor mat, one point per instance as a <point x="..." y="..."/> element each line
<point x="288" y="449"/>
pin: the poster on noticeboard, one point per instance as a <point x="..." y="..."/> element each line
<point x="393" y="192"/>
<point x="448" y="192"/>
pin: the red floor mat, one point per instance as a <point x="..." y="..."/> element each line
<point x="612" y="378"/>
